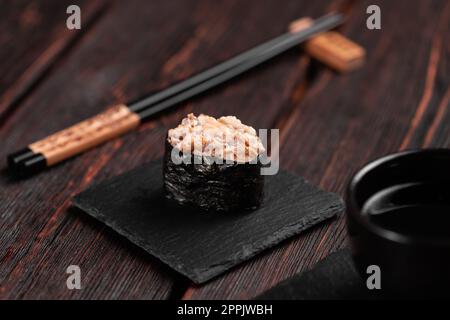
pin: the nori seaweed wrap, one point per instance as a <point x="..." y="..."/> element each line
<point x="211" y="184"/>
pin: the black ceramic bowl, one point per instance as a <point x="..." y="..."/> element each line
<point x="411" y="264"/>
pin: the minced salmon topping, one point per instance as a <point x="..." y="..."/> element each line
<point x="227" y="138"/>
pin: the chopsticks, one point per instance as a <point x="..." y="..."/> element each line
<point x="122" y="118"/>
<point x="229" y="69"/>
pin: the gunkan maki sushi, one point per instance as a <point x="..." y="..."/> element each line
<point x="213" y="164"/>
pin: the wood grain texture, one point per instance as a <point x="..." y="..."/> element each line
<point x="333" y="278"/>
<point x="42" y="237"/>
<point x="105" y="126"/>
<point x="34" y="36"/>
<point x="330" y="125"/>
<point x="344" y="121"/>
<point x="202" y="245"/>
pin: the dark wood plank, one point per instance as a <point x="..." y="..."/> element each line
<point x="429" y="125"/>
<point x="347" y="120"/>
<point x="332" y="132"/>
<point x="34" y="35"/>
<point x="42" y="237"/>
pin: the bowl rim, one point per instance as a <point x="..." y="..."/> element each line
<point x="354" y="210"/>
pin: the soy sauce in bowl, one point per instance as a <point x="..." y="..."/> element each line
<point x="398" y="218"/>
<point x="419" y="210"/>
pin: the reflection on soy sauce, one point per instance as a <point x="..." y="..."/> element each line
<point x="413" y="209"/>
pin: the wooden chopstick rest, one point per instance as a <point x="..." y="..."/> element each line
<point x="331" y="48"/>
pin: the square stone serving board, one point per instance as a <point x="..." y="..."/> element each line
<point x="197" y="244"/>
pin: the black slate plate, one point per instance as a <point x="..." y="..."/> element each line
<point x="203" y="245"/>
<point x="332" y="278"/>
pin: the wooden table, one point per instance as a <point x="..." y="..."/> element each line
<point x="330" y="124"/>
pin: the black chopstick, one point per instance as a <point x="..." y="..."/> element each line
<point x="122" y="118"/>
<point x="148" y="106"/>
